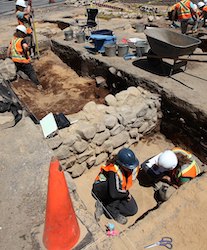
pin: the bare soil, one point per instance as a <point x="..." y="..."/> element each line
<point x="64" y="91"/>
<point x="183" y="217"/>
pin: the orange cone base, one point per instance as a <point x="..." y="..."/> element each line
<point x="61" y="231"/>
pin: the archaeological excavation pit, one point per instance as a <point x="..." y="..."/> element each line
<point x="124" y="111"/>
<point x="63" y="90"/>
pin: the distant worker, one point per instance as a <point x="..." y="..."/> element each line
<point x="169" y="170"/>
<point x="23" y="14"/>
<point x="203" y="8"/>
<point x="18" y="50"/>
<point x="111" y="187"/>
<point x="186" y="15"/>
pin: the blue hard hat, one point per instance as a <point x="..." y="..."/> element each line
<point x="127" y="158"/>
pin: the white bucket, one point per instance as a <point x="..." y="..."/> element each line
<point x="142" y="47"/>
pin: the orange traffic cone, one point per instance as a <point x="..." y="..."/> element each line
<point x="61" y="229"/>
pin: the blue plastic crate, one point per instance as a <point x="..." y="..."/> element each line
<point x="101" y="40"/>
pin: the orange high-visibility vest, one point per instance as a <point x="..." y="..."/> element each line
<point x="183" y="9"/>
<point x="25" y="23"/>
<point x="125" y="182"/>
<point x="17" y="52"/>
<point x="191" y="170"/>
<point x="204" y="9"/>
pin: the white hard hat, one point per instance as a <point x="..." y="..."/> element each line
<point x="22" y="28"/>
<point x="21" y="3"/>
<point x="168" y="160"/>
<point x="195" y="7"/>
<point x="201" y="4"/>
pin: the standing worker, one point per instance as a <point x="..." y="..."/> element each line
<point x="203" y="9"/>
<point x="111" y="187"/>
<point x="169" y="170"/>
<point x="185" y="12"/>
<point x="18" y="50"/>
<point x="23" y="14"/>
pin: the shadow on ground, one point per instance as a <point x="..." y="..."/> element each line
<point x="161" y="69"/>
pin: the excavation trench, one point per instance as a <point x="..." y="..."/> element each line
<point x="63" y="90"/>
<point x="68" y="89"/>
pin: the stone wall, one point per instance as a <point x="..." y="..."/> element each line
<point x="99" y="131"/>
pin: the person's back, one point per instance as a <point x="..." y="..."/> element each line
<point x="18" y="48"/>
<point x="187" y="167"/>
<point x="183" y="9"/>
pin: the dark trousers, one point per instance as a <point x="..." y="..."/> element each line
<point x="112" y="206"/>
<point x="28" y="70"/>
<point x="124" y="207"/>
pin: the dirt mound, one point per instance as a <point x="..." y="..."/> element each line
<point x="63" y="90"/>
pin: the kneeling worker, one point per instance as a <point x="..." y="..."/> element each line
<point x="111" y="187"/>
<point x="19" y="52"/>
<point x="169" y="170"/>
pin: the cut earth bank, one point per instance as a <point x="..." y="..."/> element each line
<point x="168" y="220"/>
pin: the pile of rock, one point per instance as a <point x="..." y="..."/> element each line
<point x="7" y="69"/>
<point x="82" y="2"/>
<point x="120" y="14"/>
<point x="101" y="130"/>
<point x="7" y="73"/>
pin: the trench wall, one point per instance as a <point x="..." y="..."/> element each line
<point x="182" y="122"/>
<point x="100" y="131"/>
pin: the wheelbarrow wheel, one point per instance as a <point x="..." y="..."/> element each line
<point x="153" y="61"/>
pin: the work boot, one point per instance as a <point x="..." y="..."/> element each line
<point x="99" y="211"/>
<point x="121" y="219"/>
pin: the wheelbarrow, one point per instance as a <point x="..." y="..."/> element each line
<point x="170" y="45"/>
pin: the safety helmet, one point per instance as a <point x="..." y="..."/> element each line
<point x="195" y="7"/>
<point x="168" y="160"/>
<point x="127" y="159"/>
<point x="201" y="4"/>
<point x="21" y="3"/>
<point x="22" y="28"/>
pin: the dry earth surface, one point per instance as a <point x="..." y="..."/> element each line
<point x="183" y="217"/>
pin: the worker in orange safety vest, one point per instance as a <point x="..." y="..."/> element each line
<point x="186" y="15"/>
<point x="23" y="14"/>
<point x="111" y="187"/>
<point x="203" y="8"/>
<point x="169" y="170"/>
<point x="18" y="50"/>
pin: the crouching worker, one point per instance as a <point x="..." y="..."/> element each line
<point x="111" y="187"/>
<point x="18" y="51"/>
<point x="169" y="170"/>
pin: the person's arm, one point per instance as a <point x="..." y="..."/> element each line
<point x="114" y="191"/>
<point x="9" y="50"/>
<point x="174" y="14"/>
<point x="25" y="48"/>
